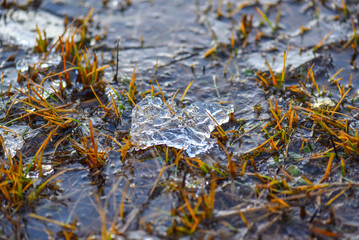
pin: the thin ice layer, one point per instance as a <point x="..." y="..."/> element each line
<point x="154" y="123"/>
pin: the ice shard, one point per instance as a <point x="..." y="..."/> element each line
<point x="157" y="123"/>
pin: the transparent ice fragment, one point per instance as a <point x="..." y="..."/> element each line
<point x="36" y="61"/>
<point x="323" y="102"/>
<point x="155" y="123"/>
<point x="12" y="142"/>
<point x="18" y="27"/>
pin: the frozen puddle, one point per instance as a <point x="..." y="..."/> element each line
<point x="153" y="123"/>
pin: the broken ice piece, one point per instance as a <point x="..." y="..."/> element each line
<point x="323" y="102"/>
<point x="11" y="142"/>
<point x="36" y="60"/>
<point x="154" y="123"/>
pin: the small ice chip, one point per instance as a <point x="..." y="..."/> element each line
<point x="154" y="123"/>
<point x="12" y="142"/>
<point x="323" y="102"/>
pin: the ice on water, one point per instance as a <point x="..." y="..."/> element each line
<point x="154" y="123"/>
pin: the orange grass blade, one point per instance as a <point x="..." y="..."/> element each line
<point x="97" y="70"/>
<point x="61" y="224"/>
<point x="338" y="195"/>
<point x="185" y="92"/>
<point x="265" y="18"/>
<point x="210" y="51"/>
<point x="133" y="78"/>
<point x="344" y="8"/>
<point x="281" y="202"/>
<point x="275" y="83"/>
<point x="340" y="101"/>
<point x="190" y="209"/>
<point x="98" y="99"/>
<point x="163" y="96"/>
<point x="329" y="166"/>
<point x="321" y="42"/>
<point x="93" y="140"/>
<point x="222" y="132"/>
<point x="244" y="219"/>
<point x="323" y="232"/>
<point x="335" y="74"/>
<point x="237" y="9"/>
<point x="114" y="105"/>
<point x="261" y="78"/>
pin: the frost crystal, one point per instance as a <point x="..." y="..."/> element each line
<point x="153" y="123"/>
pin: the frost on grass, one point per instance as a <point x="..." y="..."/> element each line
<point x="154" y="123"/>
